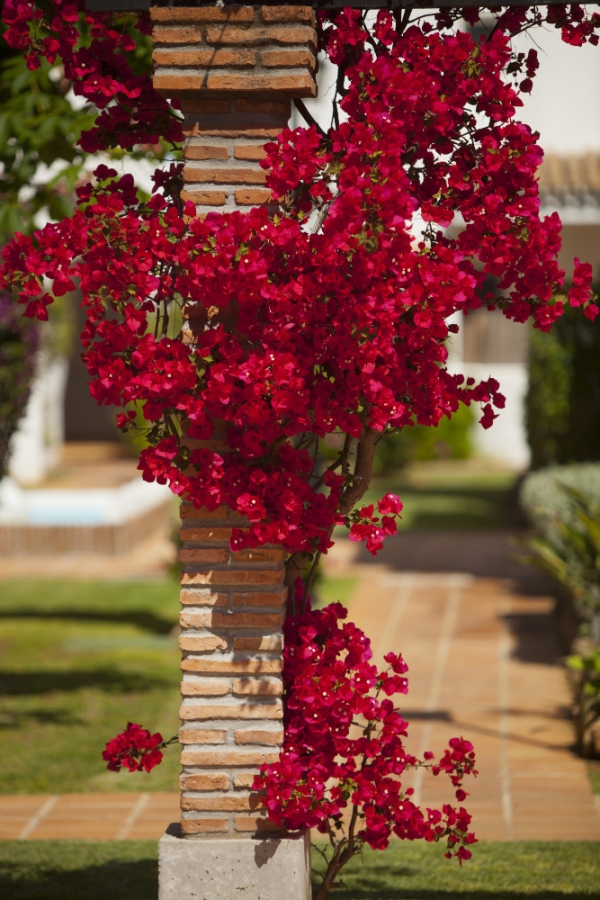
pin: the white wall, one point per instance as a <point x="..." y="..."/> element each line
<point x="506" y="440"/>
<point x="36" y="444"/>
<point x="564" y="105"/>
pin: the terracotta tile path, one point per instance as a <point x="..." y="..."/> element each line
<point x="483" y="663"/>
<point x="95" y="817"/>
<point x="483" y="657"/>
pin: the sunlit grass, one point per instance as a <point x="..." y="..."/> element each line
<point x="127" y="870"/>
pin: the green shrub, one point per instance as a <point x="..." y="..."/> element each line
<point x="563" y="400"/>
<point x="451" y="438"/>
<point x="563" y="503"/>
<point x="585" y="671"/>
<point x="19" y="339"/>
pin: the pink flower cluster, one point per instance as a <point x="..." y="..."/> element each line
<point x="370" y="529"/>
<point x="131" y="111"/>
<point x="341" y="327"/>
<point x="344" y="756"/>
<point x="134" y="749"/>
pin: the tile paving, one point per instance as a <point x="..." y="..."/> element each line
<point x="484" y="662"/>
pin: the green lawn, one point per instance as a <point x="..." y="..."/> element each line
<point x="127" y="870"/>
<point x="77" y="661"/>
<point x="451" y="495"/>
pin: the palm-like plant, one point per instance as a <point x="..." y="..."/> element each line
<point x="570" y="552"/>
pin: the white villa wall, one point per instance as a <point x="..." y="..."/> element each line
<point x="35" y="446"/>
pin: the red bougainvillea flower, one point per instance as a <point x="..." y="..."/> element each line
<point x="331" y="317"/>
<point x="328" y="765"/>
<point x="134" y="749"/>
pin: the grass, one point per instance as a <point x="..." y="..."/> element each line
<point x="77" y="661"/>
<point x="334" y="590"/>
<point x="127" y="870"/>
<point x="594" y="774"/>
<point x="451" y="495"/>
<point x="503" y="871"/>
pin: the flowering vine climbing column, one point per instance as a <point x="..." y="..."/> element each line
<point x="234" y="72"/>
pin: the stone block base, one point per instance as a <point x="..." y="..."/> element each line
<point x="266" y="868"/>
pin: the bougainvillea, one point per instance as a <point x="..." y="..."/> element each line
<point x="135" y="749"/>
<point x="343" y="761"/>
<point x="330" y="315"/>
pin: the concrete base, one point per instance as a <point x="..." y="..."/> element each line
<point x="248" y="868"/>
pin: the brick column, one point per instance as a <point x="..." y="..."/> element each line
<point x="235" y="70"/>
<point x="232" y="613"/>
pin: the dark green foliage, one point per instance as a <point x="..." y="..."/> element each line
<point x="451" y="439"/>
<point x="585" y="669"/>
<point x="18" y="346"/>
<point x="563" y="401"/>
<point x="40" y="124"/>
<point x="567" y="546"/>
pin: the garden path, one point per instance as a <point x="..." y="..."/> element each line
<point x="478" y="635"/>
<point x="484" y="663"/>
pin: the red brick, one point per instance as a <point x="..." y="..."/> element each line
<point x="205" y="57"/>
<point x="231" y="711"/>
<point x="240" y="131"/>
<point x="254" y="823"/>
<point x="205" y="151"/>
<point x="233" y="577"/>
<point x="205" y="105"/>
<point x="258" y="736"/>
<point x="226" y="803"/>
<point x="205" y="198"/>
<point x="244" y="781"/>
<point x="299" y="34"/>
<point x="301" y="84"/>
<point x="258" y="643"/>
<point x="281" y="108"/>
<point x="201" y="14"/>
<point x="166" y="35"/>
<point x="259" y="555"/>
<point x="206" y="535"/>
<point x="224" y="757"/>
<point x="287" y="14"/>
<point x="288" y="58"/>
<point x="203" y="598"/>
<point x="261" y="598"/>
<point x="206" y="687"/>
<point x="251" y="197"/>
<point x="189" y="511"/>
<point x="201" y="643"/>
<point x="194" y="619"/>
<point x="204" y="826"/>
<point x="265" y="621"/>
<point x="257" y="688"/>
<point x="200" y="174"/>
<point x="208" y="782"/>
<point x="202" y="736"/>
<point x="249" y="151"/>
<point x="203" y="556"/>
<point x="241" y="667"/>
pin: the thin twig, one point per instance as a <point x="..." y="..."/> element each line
<point x="308" y="118"/>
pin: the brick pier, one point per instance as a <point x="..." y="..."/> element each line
<point x="235" y="72"/>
